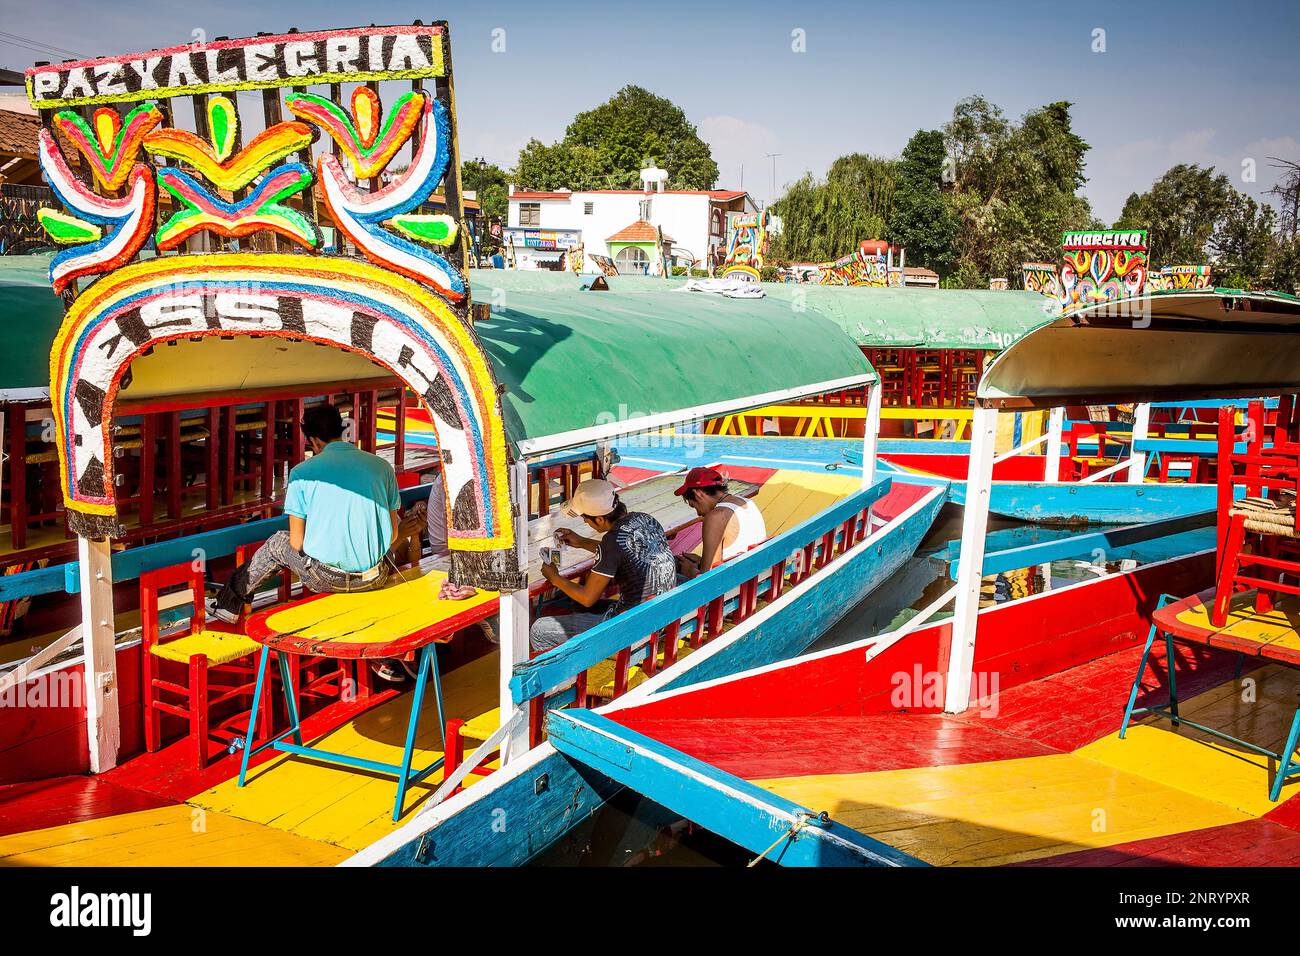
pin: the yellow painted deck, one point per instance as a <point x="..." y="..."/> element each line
<point x="1155" y="782"/>
<point x="168" y="836"/>
<point x="346" y="807"/>
<point x="791" y="497"/>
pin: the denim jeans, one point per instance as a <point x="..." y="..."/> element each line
<point x="549" y="632"/>
<point x="278" y="553"/>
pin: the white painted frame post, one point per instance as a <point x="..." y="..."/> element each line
<point x="970" y="566"/>
<point x="514" y="621"/>
<point x="1055" y="426"/>
<point x="1137" y="460"/>
<point x="98" y="636"/>
<point x="604" y="451"/>
<point x="871" y="434"/>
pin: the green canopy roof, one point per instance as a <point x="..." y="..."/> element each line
<point x="30" y="314"/>
<point x="577" y="366"/>
<point x="25" y="270"/>
<point x="874" y="318"/>
<point x="923" y="318"/>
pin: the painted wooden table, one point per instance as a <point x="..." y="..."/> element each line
<point x="1264" y="636"/>
<point x="404" y="618"/>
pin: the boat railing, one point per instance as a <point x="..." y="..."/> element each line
<point x="648" y="635"/>
<point x="1138" y="444"/>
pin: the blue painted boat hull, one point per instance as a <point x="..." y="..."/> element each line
<point x="1099" y="503"/>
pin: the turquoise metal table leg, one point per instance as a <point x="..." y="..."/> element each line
<point x="1142" y="666"/>
<point x="252" y="717"/>
<point x="417" y="701"/>
<point x="437" y="695"/>
<point x="1284" y="760"/>
<point x="290" y="701"/>
<point x="1173" y="679"/>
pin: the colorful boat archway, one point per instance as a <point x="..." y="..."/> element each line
<point x="354" y="306"/>
<point x="223" y="215"/>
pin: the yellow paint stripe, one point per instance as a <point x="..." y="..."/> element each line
<point x="1000" y="812"/>
<point x="1277" y="627"/>
<point x="167" y="836"/>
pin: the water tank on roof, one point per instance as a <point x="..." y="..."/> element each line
<point x="653" y="178"/>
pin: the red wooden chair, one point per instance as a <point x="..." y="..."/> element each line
<point x="1266" y="518"/>
<point x="203" y="654"/>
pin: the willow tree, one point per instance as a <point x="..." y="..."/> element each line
<point x="824" y="220"/>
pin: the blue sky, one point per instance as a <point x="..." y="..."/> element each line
<point x="1178" y="82"/>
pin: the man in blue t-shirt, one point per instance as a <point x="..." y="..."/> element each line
<point x="343" y="507"/>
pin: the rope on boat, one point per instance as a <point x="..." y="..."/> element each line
<point x="802" y="819"/>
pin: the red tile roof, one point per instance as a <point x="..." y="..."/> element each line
<point x="639" y="231"/>
<point x="18" y="134"/>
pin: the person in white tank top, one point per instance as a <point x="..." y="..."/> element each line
<point x="732" y="525"/>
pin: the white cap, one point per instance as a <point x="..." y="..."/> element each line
<point x="595" y="497"/>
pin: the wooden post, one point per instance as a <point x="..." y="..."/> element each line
<point x="1137" y="460"/>
<point x="871" y="434"/>
<point x="979" y="479"/>
<point x="1055" y="425"/>
<point x="514" y="621"/>
<point x="399" y="429"/>
<point x="97" y="636"/>
<point x="18" y="476"/>
<point x="603" y="467"/>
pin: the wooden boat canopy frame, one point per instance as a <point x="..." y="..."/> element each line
<point x="1167" y="346"/>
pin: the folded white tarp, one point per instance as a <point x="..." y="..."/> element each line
<point x="731" y="288"/>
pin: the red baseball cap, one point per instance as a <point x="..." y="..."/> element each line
<point x="701" y="477"/>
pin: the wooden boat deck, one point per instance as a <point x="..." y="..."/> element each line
<point x="155" y="811"/>
<point x="1043" y="779"/>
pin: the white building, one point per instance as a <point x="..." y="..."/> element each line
<point x="623" y="224"/>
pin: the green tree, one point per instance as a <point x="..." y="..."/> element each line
<point x="606" y="147"/>
<point x="921" y="218"/>
<point x="1180" y="213"/>
<point x="489" y="182"/>
<point x="822" y="221"/>
<point x="1014" y="187"/>
<point x="635" y="125"/>
<point x="558" y="166"/>
<point x="1243" y="243"/>
<point x="1284" y="264"/>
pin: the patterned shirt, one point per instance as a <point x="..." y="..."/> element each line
<point x="635" y="554"/>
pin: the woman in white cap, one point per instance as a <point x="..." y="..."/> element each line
<point x="632" y="552"/>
